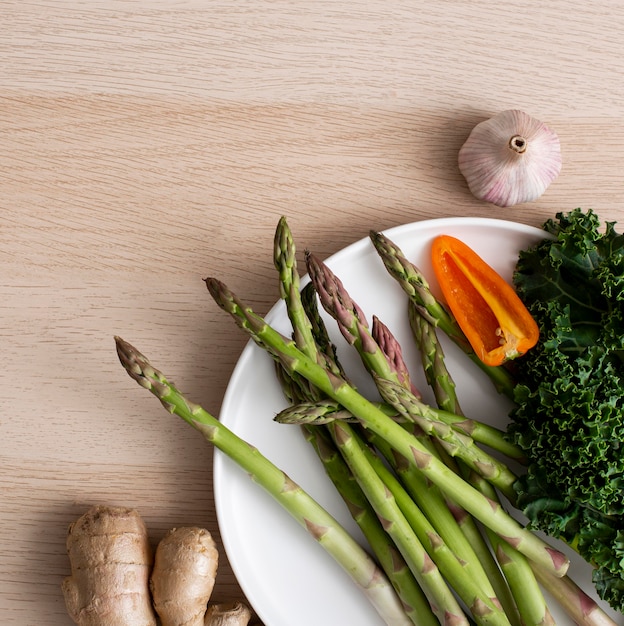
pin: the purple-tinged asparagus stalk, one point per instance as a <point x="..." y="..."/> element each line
<point x="393" y="353"/>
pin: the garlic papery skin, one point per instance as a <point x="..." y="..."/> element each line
<point x="510" y="159"/>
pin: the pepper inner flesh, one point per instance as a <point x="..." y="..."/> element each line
<point x="474" y="307"/>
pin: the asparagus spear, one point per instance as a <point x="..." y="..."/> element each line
<point x="454" y="443"/>
<point x="488" y="512"/>
<point x="577" y="604"/>
<point x="301" y="506"/>
<point x="525" y="596"/>
<point x="415" y="602"/>
<point x="393" y="353"/>
<point x="308" y="334"/>
<point x="391" y="381"/>
<point x="320" y="336"/>
<point x="285" y="261"/>
<point x="415" y="285"/>
<point x="432" y="357"/>
<point x="465" y="577"/>
<point x="441" y="598"/>
<point x="317" y="413"/>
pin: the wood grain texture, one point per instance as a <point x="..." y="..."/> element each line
<point x="148" y="144"/>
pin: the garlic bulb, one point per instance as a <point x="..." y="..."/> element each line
<point x="510" y="158"/>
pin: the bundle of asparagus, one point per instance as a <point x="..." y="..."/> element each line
<point x="442" y="547"/>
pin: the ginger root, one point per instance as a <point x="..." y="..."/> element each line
<point x="117" y="581"/>
<point x="110" y="559"/>
<point x="185" y="568"/>
<point x="234" y="614"/>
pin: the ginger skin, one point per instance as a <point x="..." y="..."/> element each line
<point x="185" y="568"/>
<point x="234" y="614"/>
<point x="116" y="580"/>
<point x="110" y="558"/>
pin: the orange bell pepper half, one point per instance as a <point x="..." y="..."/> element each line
<point x="495" y="321"/>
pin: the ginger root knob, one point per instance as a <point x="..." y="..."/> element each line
<point x="185" y="568"/>
<point x="233" y="614"/>
<point x="110" y="558"/>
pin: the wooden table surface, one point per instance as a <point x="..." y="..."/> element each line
<point x="148" y="144"/>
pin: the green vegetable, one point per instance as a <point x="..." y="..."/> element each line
<point x="517" y="589"/>
<point x="417" y="503"/>
<point x="310" y="335"/>
<point x="569" y="418"/>
<point x="383" y="359"/>
<point x="285" y="352"/>
<point x="305" y="510"/>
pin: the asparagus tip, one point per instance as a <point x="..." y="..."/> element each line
<point x="129" y="356"/>
<point x="140" y="369"/>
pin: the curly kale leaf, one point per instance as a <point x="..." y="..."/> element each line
<point x="598" y="538"/>
<point x="569" y="417"/>
<point x="610" y="587"/>
<point x="581" y="271"/>
<point x="570" y="422"/>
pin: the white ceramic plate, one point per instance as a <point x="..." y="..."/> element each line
<point x="287" y="577"/>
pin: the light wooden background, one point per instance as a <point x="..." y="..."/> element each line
<point x="146" y="144"/>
